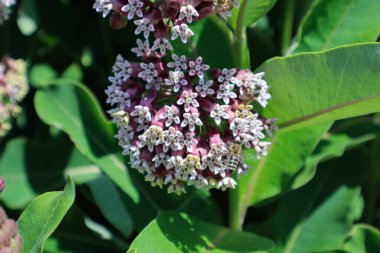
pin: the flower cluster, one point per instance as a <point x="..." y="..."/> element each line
<point x="166" y="19"/>
<point x="10" y="238"/>
<point x="5" y="9"/>
<point x="182" y="123"/>
<point x="13" y="88"/>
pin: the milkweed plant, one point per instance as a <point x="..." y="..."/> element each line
<point x="258" y="121"/>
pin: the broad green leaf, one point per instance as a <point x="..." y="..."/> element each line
<point x="80" y="169"/>
<point x="318" y="216"/>
<point x="73" y="72"/>
<point x="363" y="238"/>
<point x="74" y="109"/>
<point x="31" y="167"/>
<point x="40" y="74"/>
<point x="334" y="146"/>
<point x="43" y="215"/>
<point x="178" y="233"/>
<point x="273" y="174"/>
<point x="109" y="201"/>
<point x="251" y="11"/>
<point x="335" y="23"/>
<point x="320" y="87"/>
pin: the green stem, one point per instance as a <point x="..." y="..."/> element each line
<point x="239" y="42"/>
<point x="240" y="37"/>
<point x="287" y="29"/>
<point x="235" y="221"/>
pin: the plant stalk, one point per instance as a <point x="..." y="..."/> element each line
<point x="239" y="50"/>
<point x="287" y="29"/>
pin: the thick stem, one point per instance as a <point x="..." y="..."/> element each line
<point x="238" y="44"/>
<point x="235" y="221"/>
<point x="287" y="29"/>
<point x="240" y="37"/>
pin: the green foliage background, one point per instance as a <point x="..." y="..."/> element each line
<point x="316" y="191"/>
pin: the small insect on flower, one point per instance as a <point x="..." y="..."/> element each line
<point x="234" y="155"/>
<point x="225" y="5"/>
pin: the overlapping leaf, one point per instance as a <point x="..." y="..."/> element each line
<point x="179" y="233"/>
<point x="42" y="216"/>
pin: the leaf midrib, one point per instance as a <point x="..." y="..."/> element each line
<point x="326" y="111"/>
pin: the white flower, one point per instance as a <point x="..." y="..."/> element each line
<point x="254" y="87"/>
<point x="160" y="159"/>
<point x="219" y="112"/>
<point x="117" y="96"/>
<point x="133" y="8"/>
<point x="204" y="88"/>
<point x="197" y="67"/>
<point x="238" y="125"/>
<point x="104" y="6"/>
<point x="182" y="31"/>
<point x="226" y="93"/>
<point x="176" y="78"/>
<point x="170" y="115"/>
<point x="144" y="26"/>
<point x="173" y="139"/>
<point x="151" y="138"/>
<point x="156" y="84"/>
<point x="142" y="48"/>
<point x="228" y="76"/>
<point x="191" y="119"/>
<point x="188" y="99"/>
<point x="188" y="11"/>
<point x="8" y="3"/>
<point x="180" y="63"/>
<point x="122" y="71"/>
<point x="226" y="182"/>
<point x="189" y="141"/>
<point x="142" y="114"/>
<point x="148" y="72"/>
<point x="162" y="44"/>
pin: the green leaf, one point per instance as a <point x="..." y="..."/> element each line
<point x="335" y="23"/>
<point x="29" y="171"/>
<point x="273" y="174"/>
<point x="73" y="72"/>
<point x="72" y="236"/>
<point x="251" y="11"/>
<point x="324" y="209"/>
<point x="109" y="201"/>
<point x="334" y="146"/>
<point x="74" y="109"/>
<point x="179" y="233"/>
<point x="363" y="238"/>
<point x="40" y="75"/>
<point x="42" y="217"/>
<point x="322" y="87"/>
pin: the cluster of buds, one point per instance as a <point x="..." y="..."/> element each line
<point x="165" y="19"/>
<point x="13" y="88"/>
<point x="10" y="239"/>
<point x="5" y="9"/>
<point x="182" y="123"/>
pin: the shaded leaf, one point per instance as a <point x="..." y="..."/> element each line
<point x="335" y="23"/>
<point x="363" y="238"/>
<point x="29" y="171"/>
<point x="325" y="209"/>
<point x="43" y="215"/>
<point x="109" y="201"/>
<point x="179" y="233"/>
<point x="74" y="109"/>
